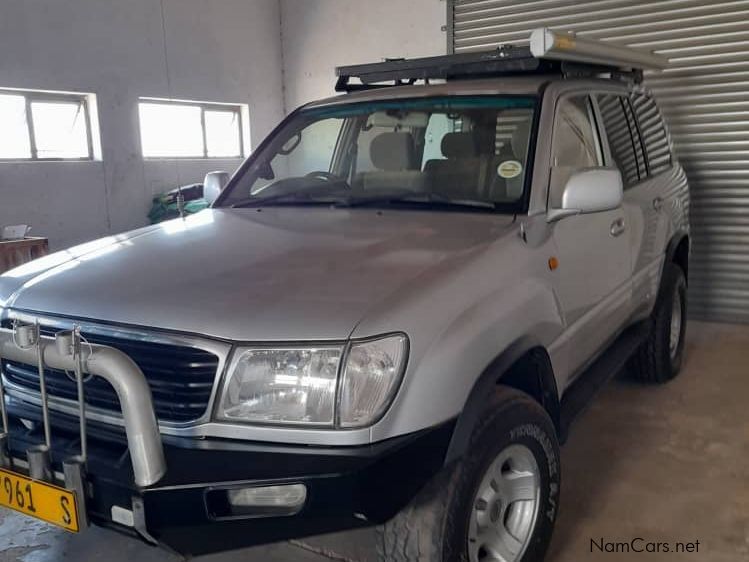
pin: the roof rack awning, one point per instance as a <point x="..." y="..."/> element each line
<point x="547" y="44"/>
<point x="549" y="52"/>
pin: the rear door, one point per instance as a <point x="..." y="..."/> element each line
<point x="636" y="145"/>
<point x="593" y="277"/>
<point x="651" y="197"/>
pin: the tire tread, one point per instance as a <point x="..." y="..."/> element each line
<point x="416" y="533"/>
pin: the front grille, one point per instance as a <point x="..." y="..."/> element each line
<point x="181" y="378"/>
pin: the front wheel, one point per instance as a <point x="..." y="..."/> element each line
<point x="498" y="503"/>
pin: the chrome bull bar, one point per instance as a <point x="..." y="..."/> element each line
<point x="69" y="352"/>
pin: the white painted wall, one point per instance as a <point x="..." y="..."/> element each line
<point x="210" y="50"/>
<point x="225" y="51"/>
<point x="319" y="35"/>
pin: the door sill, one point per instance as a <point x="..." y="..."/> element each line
<point x="579" y="395"/>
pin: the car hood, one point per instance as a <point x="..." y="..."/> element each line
<point x="266" y="274"/>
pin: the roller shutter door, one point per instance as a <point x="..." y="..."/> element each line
<point x="703" y="95"/>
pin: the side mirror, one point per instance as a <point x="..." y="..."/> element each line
<point x="213" y="185"/>
<point x="589" y="191"/>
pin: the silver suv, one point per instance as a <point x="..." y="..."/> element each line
<point x="389" y="316"/>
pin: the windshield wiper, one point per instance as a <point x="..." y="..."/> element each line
<point x="288" y="199"/>
<point x="431" y="199"/>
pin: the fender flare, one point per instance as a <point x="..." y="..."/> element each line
<point x="671" y="248"/>
<point x="486" y="384"/>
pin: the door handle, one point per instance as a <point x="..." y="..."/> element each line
<point x="657" y="204"/>
<point x="618" y="227"/>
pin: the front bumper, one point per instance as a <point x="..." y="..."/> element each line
<point x="347" y="487"/>
<point x="174" y="491"/>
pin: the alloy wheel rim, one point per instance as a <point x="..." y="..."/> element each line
<point x="676" y="320"/>
<point x="505" y="507"/>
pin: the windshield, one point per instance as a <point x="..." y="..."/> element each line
<point x="465" y="151"/>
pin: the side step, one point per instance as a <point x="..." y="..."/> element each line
<point x="611" y="361"/>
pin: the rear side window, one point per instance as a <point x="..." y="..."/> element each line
<point x="653" y="132"/>
<point x="619" y="132"/>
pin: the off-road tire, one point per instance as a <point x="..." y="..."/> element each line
<point x="434" y="526"/>
<point x="653" y="362"/>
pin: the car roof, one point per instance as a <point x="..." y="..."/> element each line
<point x="520" y="85"/>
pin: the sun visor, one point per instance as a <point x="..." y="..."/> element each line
<point x="411" y="119"/>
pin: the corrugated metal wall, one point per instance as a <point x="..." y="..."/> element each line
<point x="704" y="95"/>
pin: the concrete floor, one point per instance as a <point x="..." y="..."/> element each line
<point x="665" y="464"/>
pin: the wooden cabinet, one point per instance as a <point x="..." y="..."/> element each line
<point x="16" y="252"/>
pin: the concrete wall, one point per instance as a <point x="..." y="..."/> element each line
<point x="322" y="34"/>
<point x="224" y="51"/>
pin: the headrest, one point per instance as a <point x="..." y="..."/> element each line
<point x="458" y="145"/>
<point x="519" y="141"/>
<point x="392" y="151"/>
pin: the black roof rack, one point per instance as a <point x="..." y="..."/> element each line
<point x="549" y="52"/>
<point x="506" y="60"/>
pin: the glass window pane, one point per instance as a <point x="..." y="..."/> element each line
<point x="653" y="132"/>
<point x="310" y="150"/>
<point x="439" y="125"/>
<point x="575" y="145"/>
<point x="170" y="130"/>
<point x="574" y="138"/>
<point x="222" y="133"/>
<point x="14" y="140"/>
<point x="620" y="140"/>
<point x="460" y="149"/>
<point x="60" y="129"/>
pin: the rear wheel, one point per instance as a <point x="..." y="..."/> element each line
<point x="497" y="503"/>
<point x="659" y="358"/>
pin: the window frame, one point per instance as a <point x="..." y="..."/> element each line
<point x="237" y="108"/>
<point x="31" y="96"/>
<point x="635" y="133"/>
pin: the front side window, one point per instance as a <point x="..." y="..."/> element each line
<point x="465" y="151"/>
<point x="575" y="144"/>
<point x="38" y="125"/>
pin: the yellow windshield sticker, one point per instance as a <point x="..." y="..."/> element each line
<point x="509" y="169"/>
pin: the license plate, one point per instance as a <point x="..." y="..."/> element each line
<point x="38" y="499"/>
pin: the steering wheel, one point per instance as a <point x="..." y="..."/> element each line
<point x="325" y="176"/>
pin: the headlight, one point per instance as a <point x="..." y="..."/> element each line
<point x="298" y="385"/>
<point x="282" y="386"/>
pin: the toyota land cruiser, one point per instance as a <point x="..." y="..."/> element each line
<point x="389" y="316"/>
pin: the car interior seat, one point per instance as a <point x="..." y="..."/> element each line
<point x="456" y="176"/>
<point x="393" y="154"/>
